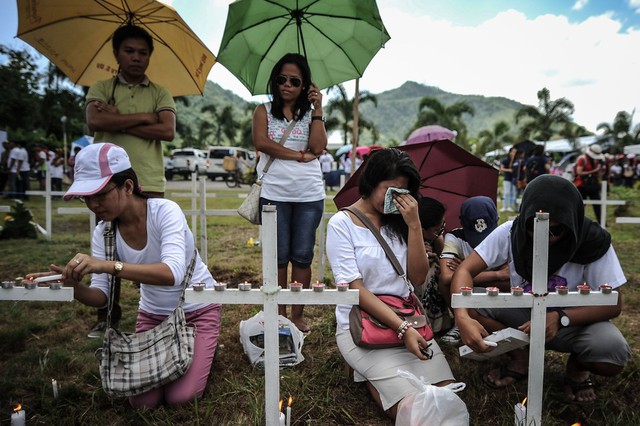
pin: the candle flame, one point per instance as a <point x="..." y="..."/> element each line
<point x="290" y="400"/>
<point x="577" y="424"/>
<point x="18" y="408"/>
<point x="280" y="406"/>
<point x="524" y="401"/>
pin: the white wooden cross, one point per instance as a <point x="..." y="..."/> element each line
<point x="270" y="295"/>
<point x="38" y="294"/>
<point x="538" y="305"/>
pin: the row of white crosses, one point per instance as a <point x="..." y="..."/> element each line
<point x="538" y="302"/>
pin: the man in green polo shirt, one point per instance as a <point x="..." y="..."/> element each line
<point x="137" y="114"/>
<point x="133" y="112"/>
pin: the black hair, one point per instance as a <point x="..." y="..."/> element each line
<point x="120" y="178"/>
<point x="131" y="31"/>
<point x="431" y="212"/>
<point x="387" y="164"/>
<point x="538" y="150"/>
<point x="302" y="104"/>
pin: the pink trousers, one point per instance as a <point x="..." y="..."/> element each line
<point x="192" y="384"/>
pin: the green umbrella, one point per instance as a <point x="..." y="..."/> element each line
<point x="338" y="37"/>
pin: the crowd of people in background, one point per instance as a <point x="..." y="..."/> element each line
<point x="586" y="170"/>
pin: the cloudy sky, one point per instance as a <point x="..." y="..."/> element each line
<point x="584" y="50"/>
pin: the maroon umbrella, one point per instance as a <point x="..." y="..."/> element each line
<point x="449" y="174"/>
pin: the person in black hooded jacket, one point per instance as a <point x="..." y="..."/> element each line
<point x="580" y="251"/>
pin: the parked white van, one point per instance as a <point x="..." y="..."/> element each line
<point x="217" y="154"/>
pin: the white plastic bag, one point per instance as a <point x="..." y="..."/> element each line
<point x="431" y="405"/>
<point x="290" y="339"/>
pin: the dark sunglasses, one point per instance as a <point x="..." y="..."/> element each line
<point x="282" y="79"/>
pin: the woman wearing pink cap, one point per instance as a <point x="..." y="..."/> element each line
<point x="154" y="246"/>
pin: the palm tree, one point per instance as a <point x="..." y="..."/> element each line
<point x="573" y="131"/>
<point x="340" y="110"/>
<point x="620" y="131"/>
<point x="432" y="111"/>
<point x="224" y="123"/>
<point x="488" y="139"/>
<point x="545" y="117"/>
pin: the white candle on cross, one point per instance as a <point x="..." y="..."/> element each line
<point x="538" y="302"/>
<point x="270" y="295"/>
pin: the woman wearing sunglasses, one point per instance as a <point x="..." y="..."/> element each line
<point x="580" y="251"/>
<point x="294" y="180"/>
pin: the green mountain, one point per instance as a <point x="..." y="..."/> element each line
<point x="397" y="109"/>
<point x="394" y="116"/>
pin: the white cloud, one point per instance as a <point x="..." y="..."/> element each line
<point x="590" y="63"/>
<point x="578" y="5"/>
<point x="635" y="4"/>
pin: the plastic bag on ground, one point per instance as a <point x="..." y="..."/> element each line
<point x="290" y="338"/>
<point x="431" y="405"/>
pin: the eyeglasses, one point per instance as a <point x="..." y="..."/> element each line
<point x="294" y="81"/>
<point x="99" y="197"/>
<point x="441" y="230"/>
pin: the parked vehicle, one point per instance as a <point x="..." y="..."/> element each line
<point x="216" y="157"/>
<point x="185" y="161"/>
<point x="168" y="168"/>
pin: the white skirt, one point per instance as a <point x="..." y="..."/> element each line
<point x="380" y="367"/>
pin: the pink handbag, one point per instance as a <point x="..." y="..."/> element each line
<point x="368" y="332"/>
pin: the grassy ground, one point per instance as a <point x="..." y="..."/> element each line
<point x="40" y="341"/>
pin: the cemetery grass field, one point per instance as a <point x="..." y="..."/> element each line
<point x="44" y="340"/>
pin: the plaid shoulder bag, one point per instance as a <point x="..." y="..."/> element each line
<point x="134" y="363"/>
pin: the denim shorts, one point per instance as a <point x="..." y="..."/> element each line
<point x="297" y="224"/>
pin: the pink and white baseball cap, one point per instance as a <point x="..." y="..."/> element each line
<point x="94" y="166"/>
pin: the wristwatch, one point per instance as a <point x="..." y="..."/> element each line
<point x="564" y="320"/>
<point x="318" y="117"/>
<point x="118" y="266"/>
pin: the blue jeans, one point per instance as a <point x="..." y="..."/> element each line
<point x="297" y="224"/>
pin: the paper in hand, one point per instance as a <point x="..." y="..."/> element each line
<point x="389" y="205"/>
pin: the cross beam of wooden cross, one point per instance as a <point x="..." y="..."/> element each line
<point x="538" y="305"/>
<point x="38" y="294"/>
<point x="270" y="295"/>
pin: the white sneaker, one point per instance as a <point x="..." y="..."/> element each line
<point x="451" y="337"/>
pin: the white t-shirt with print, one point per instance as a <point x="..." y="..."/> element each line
<point x="288" y="180"/>
<point x="495" y="250"/>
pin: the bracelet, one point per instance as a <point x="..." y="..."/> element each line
<point x="402" y="329"/>
<point x="301" y="157"/>
<point x="318" y="117"/>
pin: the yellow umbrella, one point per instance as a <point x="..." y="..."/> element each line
<point x="76" y="36"/>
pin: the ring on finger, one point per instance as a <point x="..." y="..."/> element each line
<point x="77" y="261"/>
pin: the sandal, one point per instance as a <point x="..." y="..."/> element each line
<point x="505" y="372"/>
<point x="577" y="387"/>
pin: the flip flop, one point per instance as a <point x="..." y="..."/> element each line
<point x="505" y="372"/>
<point x="577" y="387"/>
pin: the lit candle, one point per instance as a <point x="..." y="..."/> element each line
<point x="517" y="291"/>
<point x="584" y="289"/>
<point x="318" y="286"/>
<point x="220" y="286"/>
<point x="466" y="291"/>
<point x="244" y="286"/>
<point x="18" y="418"/>
<point x="343" y="286"/>
<point x="493" y="291"/>
<point x="289" y="411"/>
<point x="295" y="286"/>
<point x="54" y="385"/>
<point x="521" y="413"/>
<point x="606" y="289"/>
<point x="281" y="421"/>
<point x="562" y="289"/>
<point x="198" y="286"/>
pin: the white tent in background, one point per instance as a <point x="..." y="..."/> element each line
<point x="632" y="149"/>
<point x="559" y="145"/>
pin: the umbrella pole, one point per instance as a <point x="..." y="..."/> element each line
<point x="354" y="144"/>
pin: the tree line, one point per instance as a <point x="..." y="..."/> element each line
<point x="35" y="101"/>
